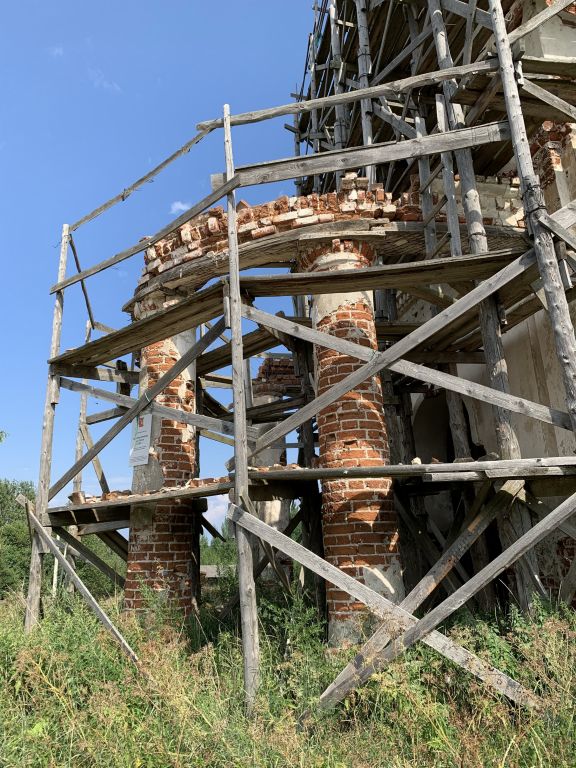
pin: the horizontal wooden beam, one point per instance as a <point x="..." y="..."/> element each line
<point x="403" y="275"/>
<point x="373" y="154"/>
<point x="402" y="347"/>
<point x="146" y="242"/>
<point x="174" y="414"/>
<point x="95" y="374"/>
<point x="392" y="88"/>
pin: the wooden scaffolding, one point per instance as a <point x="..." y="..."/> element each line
<point x="392" y="89"/>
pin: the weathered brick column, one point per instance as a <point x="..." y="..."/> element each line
<point x="358" y="516"/>
<point x="162" y="548"/>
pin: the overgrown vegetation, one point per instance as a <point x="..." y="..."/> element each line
<point x="15" y="547"/>
<point x="68" y="696"/>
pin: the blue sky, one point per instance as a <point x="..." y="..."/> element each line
<point x="94" y="95"/>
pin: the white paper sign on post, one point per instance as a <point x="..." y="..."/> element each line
<point x="141" y="435"/>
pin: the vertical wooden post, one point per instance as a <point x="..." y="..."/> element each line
<point x="340" y="123"/>
<point x="364" y="71"/>
<point x="53" y="387"/>
<point x="249" y="618"/>
<point x="314" y="91"/>
<point x="34" y="583"/>
<point x="52" y="397"/>
<point x="534" y="204"/>
<point x="518" y="521"/>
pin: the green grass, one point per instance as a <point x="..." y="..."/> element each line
<point x="69" y="698"/>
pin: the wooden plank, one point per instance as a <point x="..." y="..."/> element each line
<point x="82" y="588"/>
<point x="549" y="98"/>
<point x="141" y="245"/>
<point x="392" y="89"/>
<point x="139" y="406"/>
<point x="33" y="597"/>
<point x="127" y="191"/>
<point x="430" y="376"/>
<point x="537" y="20"/>
<point x="110" y="413"/>
<point x="485" y="394"/>
<point x="200" y="491"/>
<point x="52" y="387"/>
<point x="189" y="313"/>
<point x="359" y="670"/>
<point x="116" y="543"/>
<point x="568" y="586"/>
<point x="557" y="229"/>
<point x="412" y="46"/>
<point x="566" y="216"/>
<point x="167" y="412"/>
<point x="469" y="37"/>
<point x="558" y="309"/>
<point x="246" y="586"/>
<point x="113" y="525"/>
<point x="354" y="157"/>
<point x="101" y="477"/>
<point x="381" y="360"/>
<point x="401" y="276"/>
<point x="461" y="9"/>
<point x="507" y="558"/>
<point x="91" y="557"/>
<point x="397" y="617"/>
<point x="95" y="374"/>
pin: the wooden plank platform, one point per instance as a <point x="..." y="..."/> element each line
<point x="276" y="482"/>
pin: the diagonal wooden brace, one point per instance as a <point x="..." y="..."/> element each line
<point x="421" y="630"/>
<point x="139" y="405"/>
<point x="397" y="617"/>
<point x="361" y="668"/>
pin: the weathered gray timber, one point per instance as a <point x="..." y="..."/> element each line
<point x="142" y="403"/>
<point x="396" y="616"/>
<point x="360" y="669"/>
<point x="248" y="611"/>
<point x="80" y="586"/>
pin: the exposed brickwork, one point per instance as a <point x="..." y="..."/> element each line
<point x="162" y="549"/>
<point x="359" y="520"/>
<point x="203" y="240"/>
<point x="548" y="148"/>
<point x="276" y="377"/>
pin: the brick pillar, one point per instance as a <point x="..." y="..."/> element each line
<point x="162" y="551"/>
<point x="358" y="516"/>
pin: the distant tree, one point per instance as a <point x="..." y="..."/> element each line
<point x="217" y="552"/>
<point x="14" y="535"/>
<point x="15" y="547"/>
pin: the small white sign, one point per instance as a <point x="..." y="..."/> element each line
<point x="140" y="445"/>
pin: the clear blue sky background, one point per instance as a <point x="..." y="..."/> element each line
<point x="95" y="94"/>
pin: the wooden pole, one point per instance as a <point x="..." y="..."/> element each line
<point x="53" y="388"/>
<point x="248" y="610"/>
<point x="51" y="547"/>
<point x="534" y="204"/>
<point x="341" y="121"/>
<point x="518" y="521"/>
<point x="364" y="72"/>
<point x="143" y="402"/>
